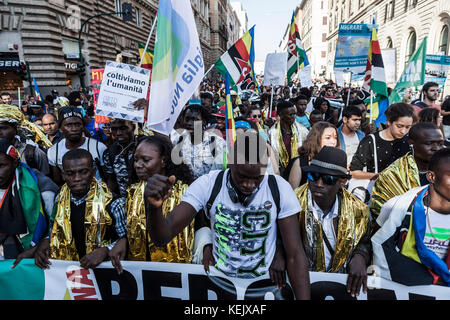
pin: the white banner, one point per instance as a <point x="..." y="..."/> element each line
<point x="178" y="65"/>
<point x="390" y="65"/>
<point x="122" y="85"/>
<point x="66" y="280"/>
<point x="304" y="75"/>
<point x="275" y="69"/>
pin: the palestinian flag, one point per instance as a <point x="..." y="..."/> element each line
<point x="147" y="63"/>
<point x="238" y="61"/>
<point x="375" y="77"/>
<point x="297" y="58"/>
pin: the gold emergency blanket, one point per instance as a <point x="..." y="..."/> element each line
<point x="13" y="114"/>
<point x="400" y="177"/>
<point x="62" y="243"/>
<point x="178" y="250"/>
<point x="352" y="225"/>
<point x="282" y="152"/>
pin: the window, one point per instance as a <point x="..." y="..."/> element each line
<point x="350" y="8"/>
<point x="361" y="3"/>
<point x="324" y="54"/>
<point x="119" y="7"/>
<point x="324" y="37"/>
<point x="443" y="43"/>
<point x="410" y="46"/>
<point x="392" y="3"/>
<point x="138" y="17"/>
<point x="324" y="22"/>
<point x="389" y="44"/>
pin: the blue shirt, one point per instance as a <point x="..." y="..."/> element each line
<point x="304" y="120"/>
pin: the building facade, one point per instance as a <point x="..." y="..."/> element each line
<point x="233" y="26"/>
<point x="402" y="25"/>
<point x="242" y="17"/>
<point x="201" y="15"/>
<point x="313" y="28"/>
<point x="219" y="31"/>
<point x="44" y="33"/>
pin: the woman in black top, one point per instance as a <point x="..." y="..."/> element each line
<point x="321" y="134"/>
<point x="391" y="143"/>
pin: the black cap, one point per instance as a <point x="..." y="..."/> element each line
<point x="332" y="161"/>
<point x="37" y="104"/>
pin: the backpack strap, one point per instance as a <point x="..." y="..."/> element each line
<point x="273" y="185"/>
<point x="215" y="192"/>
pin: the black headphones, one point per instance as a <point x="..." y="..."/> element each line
<point x="236" y="197"/>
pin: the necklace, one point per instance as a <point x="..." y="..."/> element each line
<point x="431" y="228"/>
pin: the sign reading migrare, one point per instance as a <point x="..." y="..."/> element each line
<point x="352" y="48"/>
<point x="436" y="69"/>
<point x="121" y="87"/>
<point x="66" y="280"/>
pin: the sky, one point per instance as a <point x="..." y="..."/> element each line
<point x="271" y="18"/>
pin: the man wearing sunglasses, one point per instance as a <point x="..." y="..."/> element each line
<point x="334" y="224"/>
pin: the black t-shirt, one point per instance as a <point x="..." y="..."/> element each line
<point x="78" y="232"/>
<point x="446" y="119"/>
<point x="387" y="152"/>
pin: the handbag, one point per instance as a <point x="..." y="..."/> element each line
<point x="362" y="188"/>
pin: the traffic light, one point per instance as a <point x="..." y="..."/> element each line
<point x="127" y="12"/>
<point x="81" y="69"/>
<point x="21" y="71"/>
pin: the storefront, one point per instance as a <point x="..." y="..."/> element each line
<point x="10" y="71"/>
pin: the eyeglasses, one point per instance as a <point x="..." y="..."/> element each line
<point x="257" y="116"/>
<point x="327" y="179"/>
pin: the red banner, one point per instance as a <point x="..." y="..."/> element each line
<point x="97" y="77"/>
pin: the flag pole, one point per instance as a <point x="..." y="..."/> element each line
<point x="148" y="40"/>
<point x="212" y="66"/>
<point x="371" y="105"/>
<point x="18" y="95"/>
<point x="271" y="100"/>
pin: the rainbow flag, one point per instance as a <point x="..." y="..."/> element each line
<point x="238" y="62"/>
<point x="147" y="63"/>
<point x="297" y="58"/>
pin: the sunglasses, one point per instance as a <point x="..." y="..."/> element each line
<point x="257" y="116"/>
<point x="326" y="178"/>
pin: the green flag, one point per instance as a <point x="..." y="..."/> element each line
<point x="413" y="75"/>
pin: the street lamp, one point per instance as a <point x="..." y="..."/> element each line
<point x="127" y="15"/>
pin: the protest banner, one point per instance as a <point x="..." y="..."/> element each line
<point x="275" y="69"/>
<point x="178" y="67"/>
<point x="352" y="49"/>
<point x="122" y="85"/>
<point x="66" y="280"/>
<point x="436" y="69"/>
<point x="389" y="60"/>
<point x="413" y="75"/>
<point x="96" y="80"/>
<point x="304" y="75"/>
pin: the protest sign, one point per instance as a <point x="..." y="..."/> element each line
<point x="122" y="85"/>
<point x="66" y="280"/>
<point x="96" y="80"/>
<point x="389" y="61"/>
<point x="275" y="69"/>
<point x="436" y="69"/>
<point x="304" y="75"/>
<point x="352" y="49"/>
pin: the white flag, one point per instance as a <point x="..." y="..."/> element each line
<point x="178" y="64"/>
